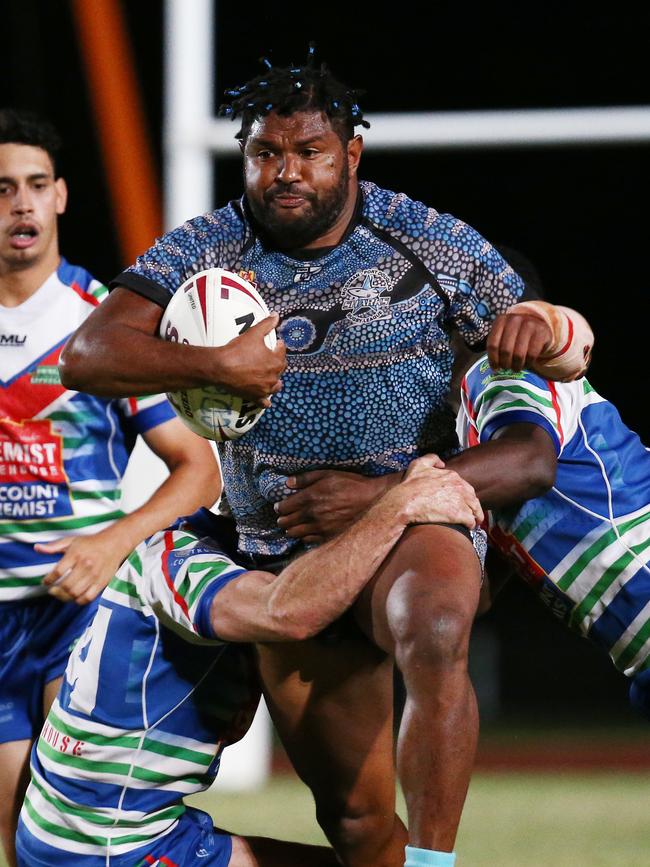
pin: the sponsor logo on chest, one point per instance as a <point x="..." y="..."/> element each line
<point x="12" y="340"/>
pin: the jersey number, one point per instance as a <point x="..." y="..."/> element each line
<point x="245" y="322"/>
<point x="82" y="673"/>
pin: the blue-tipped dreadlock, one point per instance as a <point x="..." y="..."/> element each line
<point x="288" y="89"/>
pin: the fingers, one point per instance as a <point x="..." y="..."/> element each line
<point x="304" y="532"/>
<point x="267" y="324"/>
<point x="287" y="522"/>
<point x="83" y="571"/>
<point x="516" y="340"/>
<point x="426" y="462"/>
<point x="304" y="480"/>
<point x="80" y="590"/>
<point x="53" y="547"/>
<point x="59" y="572"/>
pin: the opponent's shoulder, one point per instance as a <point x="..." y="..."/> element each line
<point x="89" y="289"/>
<point x="183" y="568"/>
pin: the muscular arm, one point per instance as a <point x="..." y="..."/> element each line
<point x="318" y="587"/>
<point x="116" y="352"/>
<point x="517" y="464"/>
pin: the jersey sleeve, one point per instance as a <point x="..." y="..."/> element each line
<point x="494" y="399"/>
<point x="479" y="283"/>
<point x="146" y="412"/>
<point x="209" y="241"/>
<point x="182" y="574"/>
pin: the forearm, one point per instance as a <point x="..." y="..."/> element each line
<point x="338" y="570"/>
<point x="119" y="361"/>
<point x="507" y="470"/>
<point x="187" y="488"/>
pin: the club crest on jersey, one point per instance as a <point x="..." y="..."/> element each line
<point x="362" y="296"/>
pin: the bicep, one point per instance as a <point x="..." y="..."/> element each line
<point x="127" y="308"/>
<point x="530" y="439"/>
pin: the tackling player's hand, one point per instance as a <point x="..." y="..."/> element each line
<point x="433" y="495"/>
<point x="517" y="340"/>
<point x="326" y="502"/>
<point x="86" y="567"/>
<point x="247" y="367"/>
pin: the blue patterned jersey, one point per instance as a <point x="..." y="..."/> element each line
<point x="366" y="326"/>
<point x="148" y="703"/>
<point x="584" y="546"/>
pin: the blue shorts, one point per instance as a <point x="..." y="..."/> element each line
<point x="194" y="842"/>
<point x="36" y="636"/>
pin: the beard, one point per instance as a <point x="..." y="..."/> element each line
<point x="292" y="231"/>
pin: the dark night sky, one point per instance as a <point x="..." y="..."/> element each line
<point x="578" y="213"/>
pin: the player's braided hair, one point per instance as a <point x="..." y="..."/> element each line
<point x="27" y="128"/>
<point x="289" y="89"/>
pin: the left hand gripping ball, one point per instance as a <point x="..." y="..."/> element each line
<point x="568" y="354"/>
<point x="212" y="308"/>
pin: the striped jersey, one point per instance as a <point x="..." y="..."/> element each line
<point x="149" y="701"/>
<point x="584" y="545"/>
<point x="366" y="326"/>
<point x="62" y="453"/>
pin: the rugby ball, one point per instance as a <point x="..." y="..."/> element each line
<point x="212" y="308"/>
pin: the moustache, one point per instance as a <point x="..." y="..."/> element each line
<point x="277" y="190"/>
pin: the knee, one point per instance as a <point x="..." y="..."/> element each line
<point x="359" y="835"/>
<point x="431" y="638"/>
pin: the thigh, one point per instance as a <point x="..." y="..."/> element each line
<point x="14" y="761"/>
<point x="331" y="702"/>
<point x="50" y="692"/>
<point x="433" y="571"/>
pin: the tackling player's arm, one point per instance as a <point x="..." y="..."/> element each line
<point x="319" y="586"/>
<point x="325" y="501"/>
<point x="90" y="562"/>
<point x="517" y="464"/>
<point x="116" y="352"/>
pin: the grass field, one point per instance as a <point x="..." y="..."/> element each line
<point x="510" y="820"/>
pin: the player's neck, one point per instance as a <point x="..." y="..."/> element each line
<point x="18" y="284"/>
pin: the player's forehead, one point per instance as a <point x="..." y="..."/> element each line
<point x="24" y="161"/>
<point x="301" y="126"/>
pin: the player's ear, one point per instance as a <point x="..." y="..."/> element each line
<point x="354" y="149"/>
<point x="61" y="195"/>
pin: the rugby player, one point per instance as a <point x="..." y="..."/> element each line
<point x="367" y="286"/>
<point x="567" y="485"/>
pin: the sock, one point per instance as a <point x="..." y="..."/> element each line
<point x="428" y="858"/>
